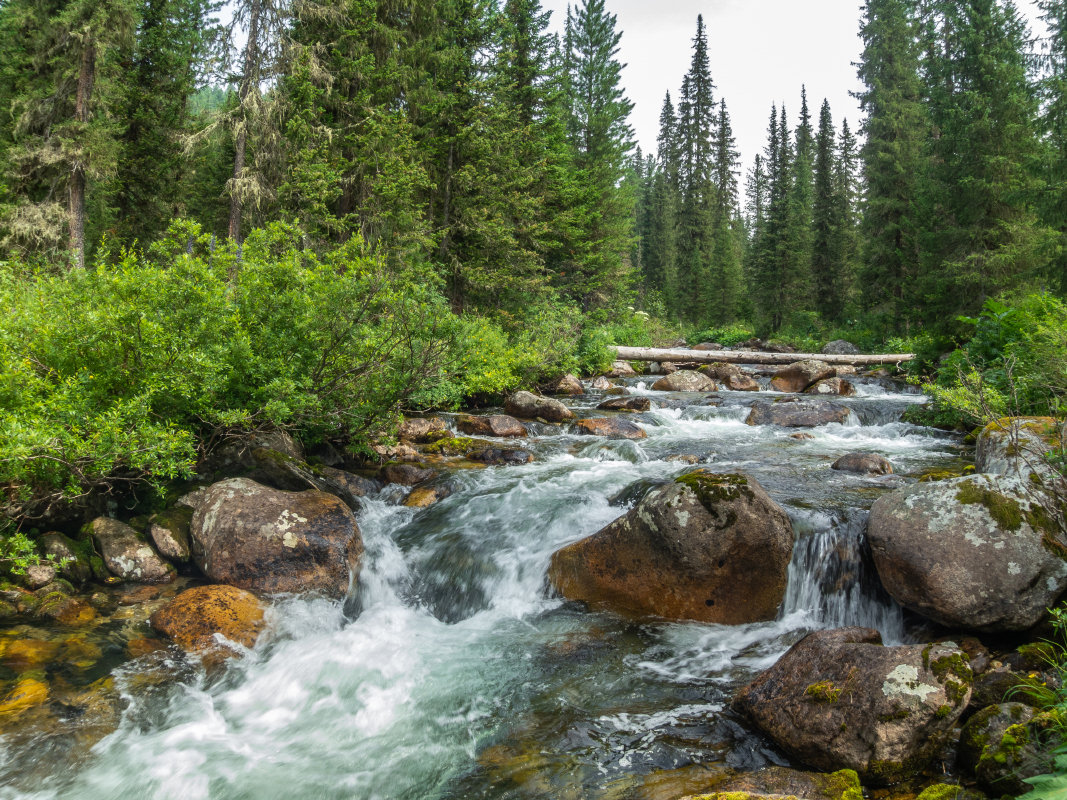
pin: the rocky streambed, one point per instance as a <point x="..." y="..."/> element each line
<point x="452" y="666"/>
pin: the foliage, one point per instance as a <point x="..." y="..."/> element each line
<point x="118" y="374"/>
<point x="726" y="335"/>
<point x="1053" y="698"/>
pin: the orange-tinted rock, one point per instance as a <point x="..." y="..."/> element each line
<point x="422" y="431"/>
<point x="194" y="617"/>
<point x="500" y="425"/>
<point x="27" y="693"/>
<point x="799" y="376"/>
<point x="611" y="427"/>
<point x="685" y="380"/>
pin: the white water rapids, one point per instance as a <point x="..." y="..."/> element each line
<point x="454" y="672"/>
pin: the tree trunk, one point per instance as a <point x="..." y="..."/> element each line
<point x="751" y="356"/>
<point x="86" y="74"/>
<point x="249" y="83"/>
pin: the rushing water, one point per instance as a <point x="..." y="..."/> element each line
<point x="454" y="672"/>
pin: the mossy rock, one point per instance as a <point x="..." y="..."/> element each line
<point x="949" y="791"/>
<point x="457" y="446"/>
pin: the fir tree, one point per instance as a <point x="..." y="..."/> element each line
<point x="825" y="266"/>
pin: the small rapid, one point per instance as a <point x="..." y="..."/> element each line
<point x="454" y="672"/>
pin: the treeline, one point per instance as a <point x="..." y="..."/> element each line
<point x="955" y="195"/>
<point x="456" y="134"/>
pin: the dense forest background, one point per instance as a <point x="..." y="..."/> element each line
<point x="318" y="213"/>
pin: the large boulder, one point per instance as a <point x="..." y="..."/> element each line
<point x="863" y="464"/>
<point x="731" y="376"/>
<point x="71" y="557"/>
<point x="832" y="387"/>
<point x="499" y="425"/>
<point x="529" y="406"/>
<point x="1017" y="446"/>
<point x="194" y="617"/>
<point x="713" y="548"/>
<point x="840" y="700"/>
<point x="266" y="540"/>
<point x="839" y="347"/>
<point x="797" y="377"/>
<point x="797" y="415"/>
<point x="406" y="474"/>
<point x="685" y="380"/>
<point x="611" y="427"/>
<point x="127" y="554"/>
<point x="621" y="369"/>
<point x="974" y="553"/>
<point x="634" y="404"/>
<point x="1001" y="746"/>
<point x="568" y="385"/>
<point x="423" y="429"/>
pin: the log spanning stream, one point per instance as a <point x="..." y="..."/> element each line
<point x="455" y="673"/>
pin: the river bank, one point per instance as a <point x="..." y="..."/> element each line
<point x="454" y="670"/>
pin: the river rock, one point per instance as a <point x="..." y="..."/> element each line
<point x="635" y="404"/>
<point x="37" y="575"/>
<point x="797" y="414"/>
<point x="424" y="497"/>
<point x="396" y="452"/>
<point x="499" y="425"/>
<point x="169" y="532"/>
<point x="621" y="369"/>
<point x="568" y="385"/>
<point x="685" y="380"/>
<point x="863" y="464"/>
<point x="348" y="486"/>
<point x="529" y="406"/>
<point x="785" y="782"/>
<point x="1016" y="446"/>
<point x="797" y="377"/>
<point x="266" y="540"/>
<point x="501" y="456"/>
<point x="62" y="548"/>
<point x="970" y="553"/>
<point x="194" y="617"/>
<point x="713" y="548"/>
<point x="611" y="427"/>
<point x="406" y="474"/>
<point x="234" y="454"/>
<point x="601" y="384"/>
<point x="423" y="430"/>
<point x="731" y="376"/>
<point x="127" y="554"/>
<point x="708" y="347"/>
<point x="832" y="387"/>
<point x="840" y="347"/>
<point x="1000" y="746"/>
<point x="840" y="700"/>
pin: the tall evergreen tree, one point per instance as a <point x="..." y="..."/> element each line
<point x="825" y="267"/>
<point x="724" y="302"/>
<point x="1053" y="86"/>
<point x="895" y="129"/>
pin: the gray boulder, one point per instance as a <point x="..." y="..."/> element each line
<point x="707" y="547"/>
<point x="499" y="425"/>
<point x="76" y="555"/>
<point x="797" y="414"/>
<point x="634" y="404"/>
<point x="127" y="554"/>
<point x="863" y="464"/>
<point x="839" y="347"/>
<point x="1000" y="745"/>
<point x="611" y="427"/>
<point x="685" y="380"/>
<point x="840" y="700"/>
<point x="974" y="553"/>
<point x="1016" y="446"/>
<point x="731" y="376"/>
<point x="422" y="430"/>
<point x="529" y="406"/>
<point x="169" y="532"/>
<point x="835" y="387"/>
<point x="568" y="385"/>
<point x="265" y="540"/>
<point x="621" y="369"/>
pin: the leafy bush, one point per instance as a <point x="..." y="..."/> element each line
<point x="726" y="335"/>
<point x="112" y="375"/>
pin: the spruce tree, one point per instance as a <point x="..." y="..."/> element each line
<point x="1053" y="86"/>
<point x="724" y="302"/>
<point x="825" y="267"/>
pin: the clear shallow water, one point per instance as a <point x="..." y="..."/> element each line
<point x="453" y="673"/>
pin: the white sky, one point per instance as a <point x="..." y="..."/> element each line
<point x="761" y="51"/>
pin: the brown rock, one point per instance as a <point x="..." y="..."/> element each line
<point x="499" y="425"/>
<point x="840" y="700"/>
<point x="621" y="369"/>
<point x="636" y="404"/>
<point x="602" y="384"/>
<point x="501" y="456"/>
<point x="713" y="548"/>
<point x="426" y="497"/>
<point x="422" y="431"/>
<point x="611" y="427"/>
<point x="529" y="406"/>
<point x="796" y="415"/>
<point x="786" y="782"/>
<point x="685" y="381"/>
<point x="832" y="387"/>
<point x="863" y="464"/>
<point x="707" y="346"/>
<point x="799" y="376"/>
<point x="267" y="540"/>
<point x="194" y="617"/>
<point x="406" y="474"/>
<point x="568" y="385"/>
<point x="801" y="437"/>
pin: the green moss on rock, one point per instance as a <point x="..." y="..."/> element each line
<point x="1004" y="510"/>
<point x="823" y="692"/>
<point x="843" y="785"/>
<point x="712" y="488"/>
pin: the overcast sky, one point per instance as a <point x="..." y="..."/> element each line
<point x="761" y="51"/>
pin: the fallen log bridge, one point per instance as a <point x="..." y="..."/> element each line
<point x="751" y="356"/>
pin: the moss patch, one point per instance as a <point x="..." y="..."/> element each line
<point x="823" y="692"/>
<point x="843" y="785"/>
<point x="1004" y="510"/>
<point x="712" y="489"/>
